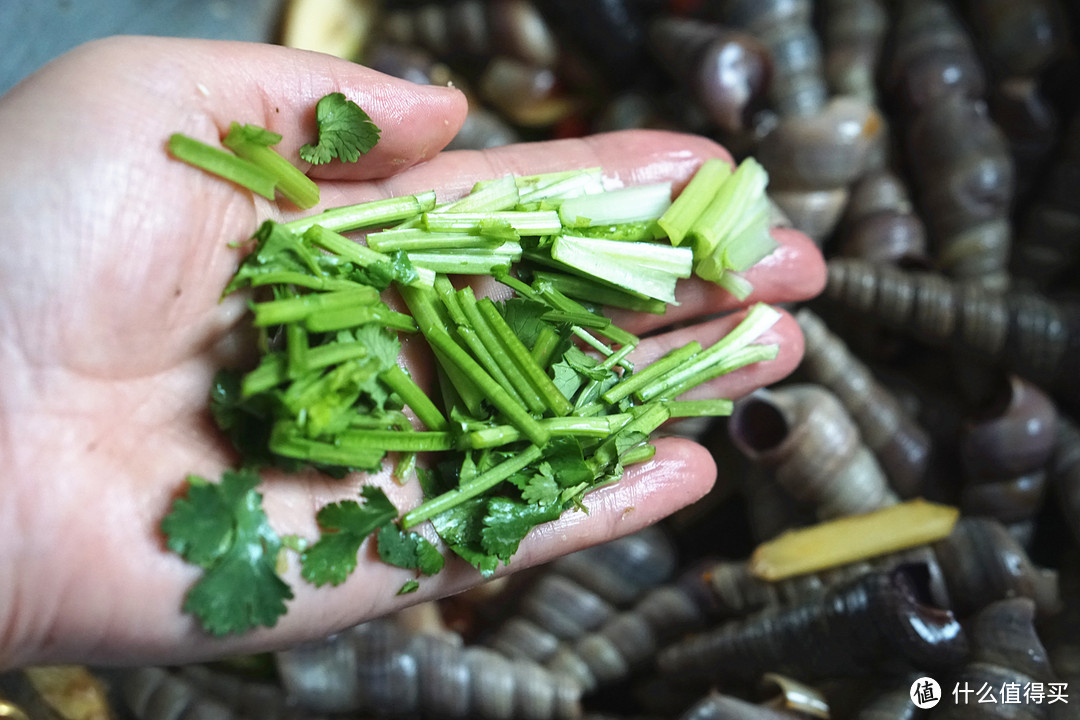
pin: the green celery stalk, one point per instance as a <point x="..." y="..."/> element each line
<point x="483" y="355"/>
<point x="223" y="164"/>
<point x="692" y="202"/>
<point x="523" y="223"/>
<point x="396" y="440"/>
<point x="583" y="427"/>
<point x="252" y="142"/>
<point x="716" y="407"/>
<point x="760" y="318"/>
<point x="737" y="359"/>
<point x="331" y="319"/>
<point x="366" y="215"/>
<point x="585" y="289"/>
<point x="411" y="239"/>
<point x="486" y="197"/>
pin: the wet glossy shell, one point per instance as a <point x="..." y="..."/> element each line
<point x="880" y="224"/>
<point x="854" y="32"/>
<point x="877" y="618"/>
<point x="198" y="693"/>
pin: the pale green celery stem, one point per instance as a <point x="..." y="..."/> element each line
<point x="639" y="454"/>
<point x="477" y="486"/>
<point x="541" y="222"/>
<point x="633" y="383"/>
<point x="290" y="309"/>
<point x="735" y="284"/>
<point x="488" y="196"/>
<point x="296" y="348"/>
<point x="651" y="417"/>
<point x="461" y="263"/>
<point x="630" y="204"/>
<point x="695" y="197"/>
<point x="366" y="215"/>
<point x="576" y="183"/>
<point x="290" y="444"/>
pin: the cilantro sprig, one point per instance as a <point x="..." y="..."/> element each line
<point x="345" y="131"/>
<point x="221" y="527"/>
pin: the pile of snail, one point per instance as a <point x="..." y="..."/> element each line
<point x="932" y="149"/>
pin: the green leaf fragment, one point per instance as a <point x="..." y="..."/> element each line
<point x="222" y="528"/>
<point x="345" y="525"/>
<point x="345" y="131"/>
<point x="408" y="550"/>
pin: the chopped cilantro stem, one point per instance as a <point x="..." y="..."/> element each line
<point x="275" y="369"/>
<point x="547" y="341"/>
<point x="760" y="318"/>
<point x="476" y="486"/>
<point x="735" y="360"/>
<point x="396" y="440"/>
<point x="414" y="397"/>
<point x="462" y="263"/>
<point x="536" y="375"/>
<point x="414" y="239"/>
<point x="330" y="319"/>
<point x="477" y="347"/>
<point x="587" y="427"/>
<point x="366" y="215"/>
<point x="286" y="440"/>
<point x="639" y="454"/>
<point x="223" y="164"/>
<point x="635" y="382"/>
<point x="422" y="305"/>
<point x="716" y="407"/>
<point x="296" y="348"/>
<point x="253" y="143"/>
<point x="287" y="310"/>
<point x="650" y="418"/>
<point x="496" y="350"/>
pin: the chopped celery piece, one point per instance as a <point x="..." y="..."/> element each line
<point x="488" y="196"/>
<point x="651" y="269"/>
<point x="367" y="215"/>
<point x="733" y="231"/>
<point x="252" y="142"/>
<point x="678" y="219"/>
<point x="543" y="222"/>
<point x="223" y="164"/>
<point x="612" y="207"/>
<point x="420" y="239"/>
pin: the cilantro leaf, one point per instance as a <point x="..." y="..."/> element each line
<point x="345" y="131"/>
<point x="461" y="527"/>
<point x="508" y="521"/>
<point x="410" y="586"/>
<point x="541" y="488"/>
<point x="222" y="528"/>
<point x="408" y="550"/>
<point x="344" y="526"/>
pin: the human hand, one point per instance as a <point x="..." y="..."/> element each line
<point x="114" y="260"/>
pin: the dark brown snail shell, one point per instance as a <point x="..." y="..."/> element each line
<point x="785" y="27"/>
<point x="964" y="175"/>
<point x="932" y="57"/>
<point x="1020" y="38"/>
<point x="1005" y="450"/>
<point x="1064" y="473"/>
<point x="880" y="224"/>
<point x="814" y="448"/>
<point x="854" y="33"/>
<point x="197" y="693"/>
<point x="717" y="706"/>
<point x="726" y="71"/>
<point x="878" y="619"/>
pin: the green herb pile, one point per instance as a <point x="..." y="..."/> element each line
<point x="534" y="403"/>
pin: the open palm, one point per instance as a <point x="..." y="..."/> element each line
<point x="114" y="257"/>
